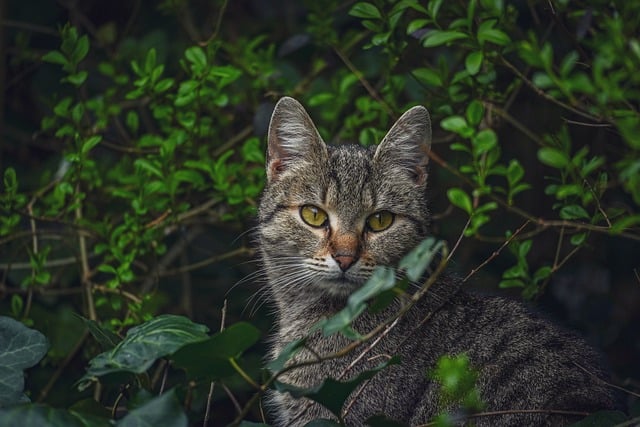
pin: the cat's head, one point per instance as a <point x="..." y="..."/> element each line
<point x="330" y="214"/>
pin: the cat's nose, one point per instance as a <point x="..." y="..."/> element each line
<point x="345" y="261"/>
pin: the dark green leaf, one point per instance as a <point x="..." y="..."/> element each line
<point x="602" y="419"/>
<point x="484" y="141"/>
<point x="45" y="416"/>
<point x="456" y="124"/>
<point x="20" y="348"/>
<point x="285" y="355"/>
<point x="55" y="57"/>
<point x="209" y="359"/>
<point x="197" y="57"/>
<point x="332" y="394"/>
<point x="382" y="421"/>
<point x="90" y="143"/>
<point x="164" y="410"/>
<point x="573" y="212"/>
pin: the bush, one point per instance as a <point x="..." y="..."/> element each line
<point x="133" y="161"/>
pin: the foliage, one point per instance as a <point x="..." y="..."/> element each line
<point x="133" y="136"/>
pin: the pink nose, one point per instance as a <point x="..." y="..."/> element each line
<point x="344" y="261"/>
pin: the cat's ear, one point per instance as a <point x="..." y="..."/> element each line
<point x="292" y="138"/>
<point x="406" y="146"/>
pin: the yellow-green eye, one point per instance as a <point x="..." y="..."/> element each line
<point x="314" y="216"/>
<point x="380" y="221"/>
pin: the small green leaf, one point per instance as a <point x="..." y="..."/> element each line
<point x="285" y="355"/>
<point x="553" y="157"/>
<point x="197" y="57"/>
<point x="439" y="37"/>
<point x="473" y="62"/>
<point x="56" y="57"/>
<point x="90" y="143"/>
<point x="418" y="260"/>
<point x="427" y="76"/>
<point x="474" y="112"/>
<point x="578" y="239"/>
<point x="461" y="199"/>
<point x="486" y="33"/>
<point x="456" y="124"/>
<point x="484" y="141"/>
<point x="573" y="212"/>
<point x="365" y="10"/>
<point x="78" y="78"/>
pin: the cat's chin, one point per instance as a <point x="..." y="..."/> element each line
<point x="340" y="288"/>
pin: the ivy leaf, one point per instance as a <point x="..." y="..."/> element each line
<point x="46" y="416"/>
<point x="20" y="348"/>
<point x="332" y="394"/>
<point x="143" y="345"/>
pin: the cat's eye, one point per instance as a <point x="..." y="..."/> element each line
<point x="314" y="216"/>
<point x="380" y="221"/>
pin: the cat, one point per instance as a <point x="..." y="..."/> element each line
<point x="328" y="216"/>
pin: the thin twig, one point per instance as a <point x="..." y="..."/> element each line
<point x="496" y="252"/>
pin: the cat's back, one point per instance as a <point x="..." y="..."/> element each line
<point x="530" y="371"/>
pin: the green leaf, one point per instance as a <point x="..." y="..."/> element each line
<point x="461" y="199"/>
<point x="365" y="10"/>
<point x="332" y="394"/>
<point x="143" y="345"/>
<point x="603" y="419"/>
<point x="382" y="279"/>
<point x="486" y="33"/>
<point x="209" y="359"/>
<point x="624" y="223"/>
<point x="78" y="78"/>
<point x="197" y="57"/>
<point x="45" y="416"/>
<point x="382" y="421"/>
<point x="427" y="76"/>
<point x="473" y="61"/>
<point x="458" y="125"/>
<point x="418" y="260"/>
<point x="105" y="337"/>
<point x="90" y="143"/>
<point x="55" y="57"/>
<point x="578" y="238"/>
<point x="164" y="410"/>
<point x="20" y="348"/>
<point x="573" y="212"/>
<point x="484" y="141"/>
<point x="285" y="355"/>
<point x="553" y="157"/>
<point x="148" y="166"/>
<point x="474" y="112"/>
<point x="80" y="50"/>
<point x="439" y="37"/>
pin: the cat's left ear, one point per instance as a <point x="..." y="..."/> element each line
<point x="406" y="146"/>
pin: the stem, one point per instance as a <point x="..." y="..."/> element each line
<point x="84" y="262"/>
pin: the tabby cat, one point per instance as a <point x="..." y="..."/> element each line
<point x="328" y="216"/>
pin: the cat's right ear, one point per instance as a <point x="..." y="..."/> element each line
<point x="292" y="138"/>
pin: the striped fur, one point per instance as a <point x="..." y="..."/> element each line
<point x="524" y="362"/>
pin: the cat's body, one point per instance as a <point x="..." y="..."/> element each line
<point x="328" y="216"/>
